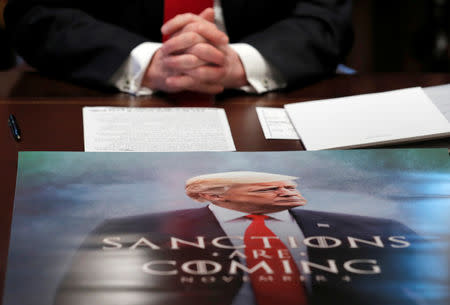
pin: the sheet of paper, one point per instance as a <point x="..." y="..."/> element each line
<point x="156" y="129"/>
<point x="276" y="124"/>
<point x="440" y="95"/>
<point x="369" y="119"/>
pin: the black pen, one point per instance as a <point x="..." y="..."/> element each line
<point x="14" y="127"/>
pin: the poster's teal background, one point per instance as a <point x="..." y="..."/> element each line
<point x="61" y="196"/>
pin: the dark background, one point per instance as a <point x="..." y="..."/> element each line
<point x="390" y="36"/>
<point x="401" y="36"/>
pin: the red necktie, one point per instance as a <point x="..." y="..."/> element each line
<point x="176" y="7"/>
<point x="284" y="285"/>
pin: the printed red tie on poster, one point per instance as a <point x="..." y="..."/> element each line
<point x="320" y="228"/>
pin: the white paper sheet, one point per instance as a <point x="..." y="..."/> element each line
<point x="440" y="95"/>
<point x="270" y="118"/>
<point x="276" y="124"/>
<point x="369" y="119"/>
<point x="156" y="129"/>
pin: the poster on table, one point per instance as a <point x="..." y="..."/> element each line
<point x="327" y="227"/>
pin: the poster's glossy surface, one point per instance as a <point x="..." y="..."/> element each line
<point x="332" y="227"/>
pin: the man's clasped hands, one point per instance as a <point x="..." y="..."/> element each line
<point x="195" y="57"/>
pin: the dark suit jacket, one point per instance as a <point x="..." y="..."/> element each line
<point x="103" y="273"/>
<point x="88" y="40"/>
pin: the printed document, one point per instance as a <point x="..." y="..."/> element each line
<point x="156" y="129"/>
<point x="369" y="119"/>
<point x="276" y="124"/>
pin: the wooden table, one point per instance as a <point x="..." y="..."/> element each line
<point x="49" y="115"/>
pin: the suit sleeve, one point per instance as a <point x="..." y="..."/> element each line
<point x="80" y="40"/>
<point x="307" y="39"/>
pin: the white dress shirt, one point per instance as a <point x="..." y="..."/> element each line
<point x="261" y="75"/>
<point x="282" y="224"/>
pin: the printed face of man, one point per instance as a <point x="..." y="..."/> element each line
<point x="262" y="197"/>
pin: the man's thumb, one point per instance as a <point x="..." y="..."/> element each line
<point x="208" y="14"/>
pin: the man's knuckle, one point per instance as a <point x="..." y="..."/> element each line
<point x="203" y="73"/>
<point x="203" y="47"/>
<point x="190" y="60"/>
<point x="189" y="27"/>
<point x="195" y="49"/>
<point x="192" y="36"/>
<point x="200" y="27"/>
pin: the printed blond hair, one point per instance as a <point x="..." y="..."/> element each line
<point x="219" y="183"/>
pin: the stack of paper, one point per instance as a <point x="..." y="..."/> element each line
<point x="156" y="129"/>
<point x="367" y="120"/>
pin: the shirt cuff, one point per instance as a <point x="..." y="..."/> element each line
<point x="128" y="77"/>
<point x="261" y="75"/>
